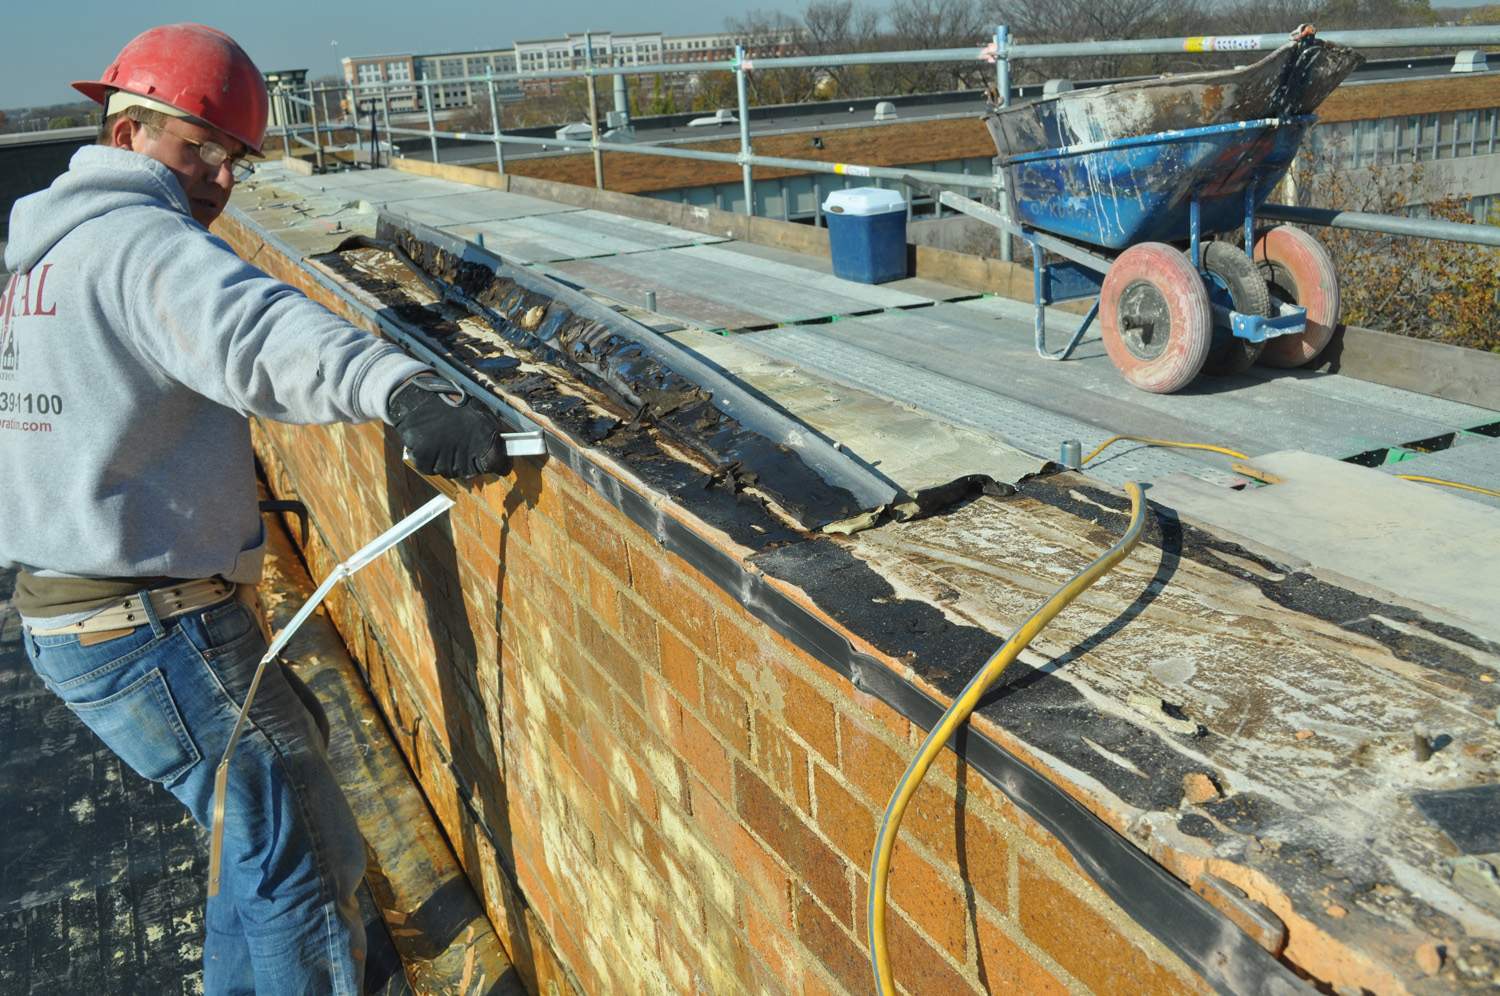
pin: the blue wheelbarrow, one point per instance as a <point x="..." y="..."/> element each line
<point x="1131" y="214"/>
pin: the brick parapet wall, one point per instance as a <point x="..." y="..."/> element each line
<point x="649" y="789"/>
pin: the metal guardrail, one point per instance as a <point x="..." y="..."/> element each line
<point x="1387" y="224"/>
<point x="1000" y="51"/>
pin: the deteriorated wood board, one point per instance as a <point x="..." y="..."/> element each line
<point x="1308" y="723"/>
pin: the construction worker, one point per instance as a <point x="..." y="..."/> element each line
<point x="135" y="345"/>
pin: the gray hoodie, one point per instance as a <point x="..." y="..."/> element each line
<point x="133" y="344"/>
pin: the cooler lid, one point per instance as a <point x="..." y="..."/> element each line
<point x="864" y="201"/>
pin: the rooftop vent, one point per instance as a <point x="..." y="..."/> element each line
<point x="1052" y="88"/>
<point x="885" y="111"/>
<point x="576" y="131"/>
<point x="723" y="116"/>
<point x="1470" y="60"/>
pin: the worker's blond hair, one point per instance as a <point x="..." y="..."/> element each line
<point x="145" y="115"/>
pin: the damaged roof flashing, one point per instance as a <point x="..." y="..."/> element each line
<point x="746" y="441"/>
<point x="1201" y="661"/>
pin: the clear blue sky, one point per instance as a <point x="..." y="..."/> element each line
<point x="49" y="44"/>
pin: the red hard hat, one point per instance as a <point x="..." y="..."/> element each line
<point x="195" y="69"/>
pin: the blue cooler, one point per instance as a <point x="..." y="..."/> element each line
<point x="867" y="234"/>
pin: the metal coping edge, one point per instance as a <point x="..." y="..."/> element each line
<point x="1160" y="903"/>
<point x="869" y="488"/>
<point x="1182" y="920"/>
<point x="394" y="329"/>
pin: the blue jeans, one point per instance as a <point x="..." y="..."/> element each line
<point x="164" y="698"/>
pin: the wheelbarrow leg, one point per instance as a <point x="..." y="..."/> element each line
<point x="1250" y="219"/>
<point x="1039" y="272"/>
<point x="1194" y="234"/>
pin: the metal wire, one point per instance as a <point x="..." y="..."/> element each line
<point x="1449" y="484"/>
<point x="1171" y="443"/>
<point x="958" y="713"/>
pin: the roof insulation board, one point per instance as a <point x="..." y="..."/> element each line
<point x="973" y="364"/>
<point x="1470" y="460"/>
<point x="911" y="448"/>
<point x="719" y="289"/>
<point x="961" y="402"/>
<point x="475" y="206"/>
<point x="1426" y="544"/>
<point x="377" y="192"/>
<point x="576" y="235"/>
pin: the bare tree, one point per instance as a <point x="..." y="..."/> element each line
<point x="1086" y="20"/>
<point x="1449" y="291"/>
<point x="758" y="31"/>
<point x="933" y="24"/>
<point x="832" y="27"/>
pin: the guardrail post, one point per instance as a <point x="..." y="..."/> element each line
<point x="1002" y="86"/>
<point x="1002" y="64"/>
<point x="354" y="119"/>
<point x="431" y="121"/>
<point x="286" y="113"/>
<point x="312" y="103"/>
<point x="588" y="55"/>
<point x="744" y="111"/>
<point x="385" y="106"/>
<point x="495" y="124"/>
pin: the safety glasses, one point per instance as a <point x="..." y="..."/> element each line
<point x="213" y="154"/>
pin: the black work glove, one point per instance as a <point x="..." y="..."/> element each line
<point x="446" y="432"/>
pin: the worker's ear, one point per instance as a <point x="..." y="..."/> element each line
<point x="122" y="133"/>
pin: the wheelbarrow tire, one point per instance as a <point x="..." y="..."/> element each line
<point x="1248" y="294"/>
<point x="1298" y="270"/>
<point x="1155" y="318"/>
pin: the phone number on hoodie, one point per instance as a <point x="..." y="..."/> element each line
<point x="30" y="404"/>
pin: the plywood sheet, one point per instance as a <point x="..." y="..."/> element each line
<point x="551" y="236"/>
<point x="478" y="206"/>
<point x="1426" y="544"/>
<point x="912" y="449"/>
<point x="716" y="288"/>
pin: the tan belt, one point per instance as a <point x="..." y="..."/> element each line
<point x="168" y="603"/>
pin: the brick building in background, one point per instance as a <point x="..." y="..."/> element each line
<point x="541" y="56"/>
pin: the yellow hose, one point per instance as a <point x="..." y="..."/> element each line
<point x="1172" y="443"/>
<point x="958" y="714"/>
<point x="1449" y="484"/>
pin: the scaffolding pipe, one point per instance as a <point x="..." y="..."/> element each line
<point x="1470" y="35"/>
<point x="354" y="117"/>
<point x="1386" y="224"/>
<point x="312" y="103"/>
<point x="286" y="134"/>
<point x="1002" y="93"/>
<point x="431" y="121"/>
<point x="1001" y="50"/>
<point x="385" y="108"/>
<point x="588" y="55"/>
<point x="746" y="178"/>
<point x="495" y="127"/>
